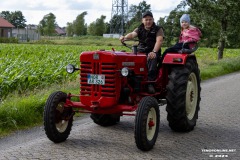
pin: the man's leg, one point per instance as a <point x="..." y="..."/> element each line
<point x="152" y="69"/>
<point x="152" y="73"/>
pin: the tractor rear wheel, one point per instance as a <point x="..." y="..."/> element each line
<point x="57" y="118"/>
<point x="147" y="123"/>
<point x="183" y="96"/>
<point x="105" y="119"/>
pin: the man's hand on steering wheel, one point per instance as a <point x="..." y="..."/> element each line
<point x="122" y="39"/>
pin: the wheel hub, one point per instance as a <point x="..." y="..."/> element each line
<point x="60" y="123"/>
<point x="191" y="96"/>
<point x="151" y="121"/>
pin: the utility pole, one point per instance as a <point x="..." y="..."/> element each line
<point x="119" y="16"/>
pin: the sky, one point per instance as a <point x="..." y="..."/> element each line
<point x="67" y="10"/>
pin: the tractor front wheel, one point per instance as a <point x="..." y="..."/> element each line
<point x="57" y="118"/>
<point x="147" y="123"/>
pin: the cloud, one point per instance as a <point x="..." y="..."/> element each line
<point x="67" y="10"/>
<point x="79" y="5"/>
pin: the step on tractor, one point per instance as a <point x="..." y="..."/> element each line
<point x="114" y="84"/>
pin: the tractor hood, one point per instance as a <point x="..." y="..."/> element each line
<point x="138" y="62"/>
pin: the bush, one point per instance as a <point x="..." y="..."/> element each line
<point x="8" y="40"/>
<point x="44" y="41"/>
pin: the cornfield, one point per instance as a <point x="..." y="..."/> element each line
<point x="30" y="66"/>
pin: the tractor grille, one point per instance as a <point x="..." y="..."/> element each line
<point x="108" y="69"/>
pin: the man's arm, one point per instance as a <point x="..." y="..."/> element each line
<point x="158" y="44"/>
<point x="130" y="35"/>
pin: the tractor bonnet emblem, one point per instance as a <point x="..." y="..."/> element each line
<point x="96" y="56"/>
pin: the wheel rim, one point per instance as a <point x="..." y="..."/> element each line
<point x="191" y="96"/>
<point x="151" y="124"/>
<point x="61" y="124"/>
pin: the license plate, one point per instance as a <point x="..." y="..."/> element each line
<point x="96" y="79"/>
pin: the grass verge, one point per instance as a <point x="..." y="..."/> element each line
<point x="26" y="110"/>
<point x="219" y="68"/>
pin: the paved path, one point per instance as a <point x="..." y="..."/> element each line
<point x="216" y="136"/>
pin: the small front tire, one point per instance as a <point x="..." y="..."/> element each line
<point x="147" y="123"/>
<point x="57" y="118"/>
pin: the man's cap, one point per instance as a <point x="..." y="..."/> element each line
<point x="147" y="13"/>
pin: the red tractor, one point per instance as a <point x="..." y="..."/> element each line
<point x="114" y="83"/>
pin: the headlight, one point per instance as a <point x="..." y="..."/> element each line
<point x="70" y="68"/>
<point x="125" y="71"/>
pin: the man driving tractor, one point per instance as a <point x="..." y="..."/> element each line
<point x="150" y="41"/>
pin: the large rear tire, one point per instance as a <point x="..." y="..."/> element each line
<point x="183" y="96"/>
<point x="147" y="123"/>
<point x="105" y="119"/>
<point x="57" y="118"/>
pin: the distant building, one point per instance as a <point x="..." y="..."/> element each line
<point x="32" y="26"/>
<point x="5" y="28"/>
<point x="29" y="33"/>
<point x="60" y="31"/>
<point x="111" y="35"/>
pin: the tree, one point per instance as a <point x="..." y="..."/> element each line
<point x="115" y="22"/>
<point x="135" y="12"/>
<point x="108" y="27"/>
<point x="47" y="25"/>
<point x="135" y="15"/>
<point x="222" y="13"/>
<point x="16" y="18"/>
<point x="6" y="15"/>
<point x="91" y="29"/>
<point x="79" y="26"/>
<point x="98" y="27"/>
<point x="69" y="29"/>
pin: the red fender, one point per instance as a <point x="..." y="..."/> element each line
<point x="176" y="58"/>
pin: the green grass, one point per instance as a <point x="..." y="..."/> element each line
<point x="83" y="41"/>
<point x="19" y="111"/>
<point x="26" y="110"/>
<point x="210" y="67"/>
<point x="222" y="67"/>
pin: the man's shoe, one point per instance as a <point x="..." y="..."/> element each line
<point x="151" y="89"/>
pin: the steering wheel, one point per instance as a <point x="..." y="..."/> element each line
<point x="135" y="48"/>
<point x="127" y="45"/>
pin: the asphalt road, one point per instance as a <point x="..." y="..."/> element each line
<point x="216" y="136"/>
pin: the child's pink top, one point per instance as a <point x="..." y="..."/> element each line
<point x="192" y="34"/>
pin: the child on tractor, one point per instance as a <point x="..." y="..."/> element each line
<point x="189" y="36"/>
